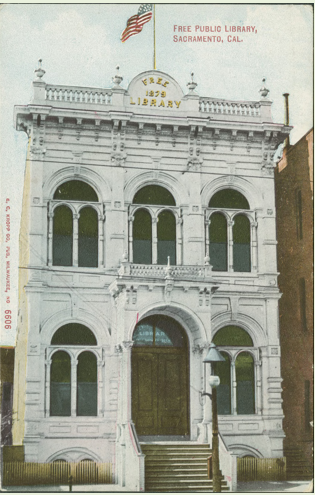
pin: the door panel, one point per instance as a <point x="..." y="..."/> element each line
<point x="159" y="391"/>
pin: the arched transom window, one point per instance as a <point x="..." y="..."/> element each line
<point x="231" y="237"/>
<point x="154" y="227"/>
<point x="237" y="392"/>
<point x="73" y="377"/>
<point x="75" y="226"/>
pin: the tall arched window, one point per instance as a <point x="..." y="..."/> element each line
<point x="142" y="237"/>
<point x="63" y="236"/>
<point x="73" y="337"/>
<point x="245" y="380"/>
<point x="229" y="243"/>
<point x="60" y="384"/>
<point x="166" y="238"/>
<point x="88" y="237"/>
<point x="241" y="244"/>
<point x="154" y="228"/>
<point x="223" y="370"/>
<point x="218" y="242"/>
<point x="87" y="384"/>
<point x="74" y="226"/>
<point x="238" y="368"/>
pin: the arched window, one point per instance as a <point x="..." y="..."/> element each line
<point x="158" y="331"/>
<point x="218" y="242"/>
<point x="245" y="380"/>
<point x="75" y="235"/>
<point x="63" y="236"/>
<point x="88" y="237"/>
<point x="238" y="368"/>
<point x="60" y="384"/>
<point x="154" y="229"/>
<point x="87" y="384"/>
<point x="229" y="240"/>
<point x="142" y="238"/>
<point x="84" y="401"/>
<point x="166" y="238"/>
<point x="241" y="244"/>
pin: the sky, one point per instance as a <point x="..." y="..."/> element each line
<point x="80" y="45"/>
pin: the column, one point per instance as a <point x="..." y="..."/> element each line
<point x="258" y="387"/>
<point x="100" y="388"/>
<point x="179" y="241"/>
<point x="101" y="219"/>
<point x="234" y="388"/>
<point x="126" y="378"/>
<point x="254" y="254"/>
<point x="130" y="237"/>
<point x="207" y="228"/>
<point x="76" y="217"/>
<point x="74" y="363"/>
<point x="47" y="388"/>
<point x="154" y="240"/>
<point x="50" y="236"/>
<point x="230" y="246"/>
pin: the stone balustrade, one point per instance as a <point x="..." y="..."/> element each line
<point x="191" y="272"/>
<point x="76" y="94"/>
<point x="227" y="107"/>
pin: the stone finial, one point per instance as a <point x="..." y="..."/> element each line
<point x="192" y="84"/>
<point x="117" y="78"/>
<point x="168" y="269"/>
<point x="39" y="71"/>
<point x="263" y="90"/>
<point x="125" y="257"/>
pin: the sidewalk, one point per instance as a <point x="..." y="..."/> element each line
<point x="275" y="486"/>
<point x="244" y="487"/>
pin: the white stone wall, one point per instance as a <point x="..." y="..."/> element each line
<point x="118" y="150"/>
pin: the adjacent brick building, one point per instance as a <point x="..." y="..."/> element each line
<point x="294" y="201"/>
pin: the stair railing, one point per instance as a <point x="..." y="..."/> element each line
<point x="228" y="464"/>
<point x="135" y="459"/>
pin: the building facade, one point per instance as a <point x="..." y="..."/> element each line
<point x="149" y="231"/>
<point x="294" y="195"/>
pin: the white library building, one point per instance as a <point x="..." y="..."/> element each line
<point x="148" y="232"/>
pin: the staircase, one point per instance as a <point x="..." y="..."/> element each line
<point x="299" y="467"/>
<point x="177" y="467"/>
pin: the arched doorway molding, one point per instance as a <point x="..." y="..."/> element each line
<point x="149" y="179"/>
<point x="94" y="323"/>
<point x="75" y="454"/>
<point x="190" y="322"/>
<point x="248" y="189"/>
<point x="251" y="326"/>
<point x="95" y="180"/>
<point x="244" y="450"/>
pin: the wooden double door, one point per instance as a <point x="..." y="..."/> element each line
<point x="160" y="392"/>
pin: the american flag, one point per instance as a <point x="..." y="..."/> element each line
<point x="135" y="23"/>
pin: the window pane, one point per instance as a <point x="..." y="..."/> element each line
<point x="73" y="334"/>
<point x="218" y="242"/>
<point x="241" y="244"/>
<point x="75" y="190"/>
<point x="229" y="198"/>
<point x="232" y="335"/>
<point x="223" y="370"/>
<point x="60" y="385"/>
<point x="142" y="238"/>
<point x="88" y="237"/>
<point x="166" y="233"/>
<point x="154" y="195"/>
<point x="87" y="384"/>
<point x="62" y="236"/>
<point x="245" y="392"/>
<point x="158" y="331"/>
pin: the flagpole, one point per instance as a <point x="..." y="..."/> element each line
<point x="154" y="56"/>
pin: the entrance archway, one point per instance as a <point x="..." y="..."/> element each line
<point x="160" y="377"/>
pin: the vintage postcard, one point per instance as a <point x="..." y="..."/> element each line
<point x="156" y="246"/>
